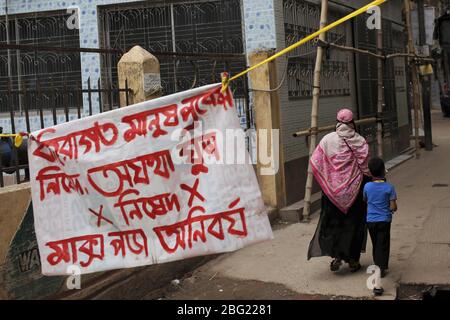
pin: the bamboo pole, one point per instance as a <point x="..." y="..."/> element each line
<point x="407" y="55"/>
<point x="380" y="103"/>
<point x="378" y="56"/>
<point x="414" y="75"/>
<point x="331" y="127"/>
<point x="355" y="50"/>
<point x="314" y="110"/>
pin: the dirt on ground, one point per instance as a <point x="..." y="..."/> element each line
<point x="205" y="286"/>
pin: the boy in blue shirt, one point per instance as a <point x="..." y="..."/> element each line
<point x="381" y="201"/>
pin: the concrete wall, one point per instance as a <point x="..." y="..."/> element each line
<point x="20" y="276"/>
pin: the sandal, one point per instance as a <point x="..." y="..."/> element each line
<point x="378" y="291"/>
<point x="354" y="266"/>
<point x="335" y="264"/>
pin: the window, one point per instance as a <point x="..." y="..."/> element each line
<point x="187" y="28"/>
<point x="302" y="18"/>
<point x="38" y="70"/>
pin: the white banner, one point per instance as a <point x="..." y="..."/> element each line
<point x="145" y="184"/>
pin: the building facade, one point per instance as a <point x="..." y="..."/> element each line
<point x="214" y="27"/>
<point x="348" y="80"/>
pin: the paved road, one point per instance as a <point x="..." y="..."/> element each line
<point x="278" y="269"/>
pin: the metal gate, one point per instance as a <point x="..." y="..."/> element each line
<point x="301" y="19"/>
<point x="41" y="83"/>
<point x="194" y="41"/>
<point x="367" y="83"/>
<point x="21" y="69"/>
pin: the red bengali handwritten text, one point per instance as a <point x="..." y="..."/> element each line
<point x="52" y="179"/>
<point x="194" y="151"/>
<point x="109" y="180"/>
<point x="195" y="228"/>
<point x="61" y="148"/>
<point x="134" y="241"/>
<point x="143" y="122"/>
<point x="92" y="246"/>
<point x="152" y="207"/>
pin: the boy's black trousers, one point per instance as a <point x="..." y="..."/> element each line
<point x="380" y="233"/>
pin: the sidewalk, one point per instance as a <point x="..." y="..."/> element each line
<point x="420" y="251"/>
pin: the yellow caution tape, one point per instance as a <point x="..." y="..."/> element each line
<point x="18" y="138"/>
<point x="304" y="40"/>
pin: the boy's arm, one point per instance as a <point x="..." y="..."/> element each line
<point x="393" y="200"/>
<point x="393" y="205"/>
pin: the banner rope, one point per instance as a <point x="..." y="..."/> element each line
<point x="18" y="137"/>
<point x="226" y="80"/>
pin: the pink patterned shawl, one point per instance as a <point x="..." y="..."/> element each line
<point x="337" y="169"/>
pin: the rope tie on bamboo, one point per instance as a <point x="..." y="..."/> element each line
<point x="323" y="44"/>
<point x="313" y="131"/>
<point x="226" y="81"/>
<point x="379" y="117"/>
<point x="380" y="120"/>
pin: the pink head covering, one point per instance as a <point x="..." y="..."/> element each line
<point x="345" y="115"/>
<point x="340" y="162"/>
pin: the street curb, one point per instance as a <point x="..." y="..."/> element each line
<point x="397" y="161"/>
<point x="294" y="212"/>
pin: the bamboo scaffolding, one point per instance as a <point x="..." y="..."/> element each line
<point x="314" y="130"/>
<point x="379" y="56"/>
<point x="380" y="102"/>
<point x="314" y="110"/>
<point x="414" y="76"/>
<point x="308" y="132"/>
<point x="414" y="57"/>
